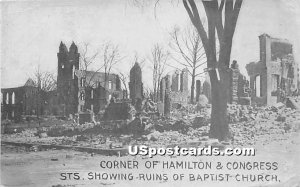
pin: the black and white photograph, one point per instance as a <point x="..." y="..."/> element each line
<point x="145" y="93"/>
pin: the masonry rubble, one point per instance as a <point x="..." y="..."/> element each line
<point x="249" y="125"/>
<point x="173" y="120"/>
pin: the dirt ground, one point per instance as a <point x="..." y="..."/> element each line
<point x="50" y="168"/>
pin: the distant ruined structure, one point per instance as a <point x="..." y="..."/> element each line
<point x="275" y="75"/>
<point x="180" y="88"/>
<point x="77" y="90"/>
<point x="81" y="90"/>
<point x="136" y="84"/>
<point x="21" y="100"/>
<point x="173" y="91"/>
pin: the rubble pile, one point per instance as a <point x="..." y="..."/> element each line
<point x="240" y="113"/>
<point x="249" y="125"/>
<point x="119" y="111"/>
<point x="270" y="124"/>
<point x="68" y="129"/>
<point x="166" y="138"/>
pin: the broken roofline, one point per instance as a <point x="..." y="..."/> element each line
<point x="282" y="40"/>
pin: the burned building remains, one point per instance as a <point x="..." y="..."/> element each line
<point x="136" y="84"/>
<point x="275" y="75"/>
<point x="173" y="91"/>
<point x="179" y="87"/>
<point x="21" y="100"/>
<point x="77" y="90"/>
<point x="80" y="90"/>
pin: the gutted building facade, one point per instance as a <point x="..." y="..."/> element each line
<point x="81" y="90"/>
<point x="179" y="87"/>
<point x="275" y="75"/>
<point x="23" y="100"/>
<point x="173" y="91"/>
<point x="77" y="90"/>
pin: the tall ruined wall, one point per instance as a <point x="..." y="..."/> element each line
<point x="135" y="84"/>
<point x="274" y="75"/>
<point x="67" y="82"/>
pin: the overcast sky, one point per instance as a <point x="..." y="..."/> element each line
<point x="32" y="31"/>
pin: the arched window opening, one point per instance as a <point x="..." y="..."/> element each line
<point x="13" y="98"/>
<point x="82" y="96"/>
<point x="92" y="94"/>
<point x="7" y="98"/>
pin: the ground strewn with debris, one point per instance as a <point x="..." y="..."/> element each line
<point x="248" y="125"/>
<point x="273" y="131"/>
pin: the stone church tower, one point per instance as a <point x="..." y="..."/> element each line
<point x="67" y="82"/>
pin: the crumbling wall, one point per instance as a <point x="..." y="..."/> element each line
<point x="170" y="93"/>
<point x="167" y="98"/>
<point x="184" y="77"/>
<point x="179" y="98"/>
<point x="275" y="71"/>
<point x="67" y="88"/>
<point x="175" y="82"/>
<point x="136" y="84"/>
<point x="238" y="91"/>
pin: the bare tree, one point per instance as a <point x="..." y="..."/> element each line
<point x="189" y="47"/>
<point x="147" y="92"/>
<point x="111" y="57"/>
<point x="87" y="60"/>
<point x="45" y="82"/>
<point x="139" y="60"/>
<point x="159" y="57"/>
<point x="222" y="17"/>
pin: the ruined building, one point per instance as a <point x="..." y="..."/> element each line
<point x="23" y="100"/>
<point x="77" y="90"/>
<point x="136" y="84"/>
<point x="173" y="91"/>
<point x="80" y="90"/>
<point x="180" y="88"/>
<point x="67" y="87"/>
<point x="275" y="75"/>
